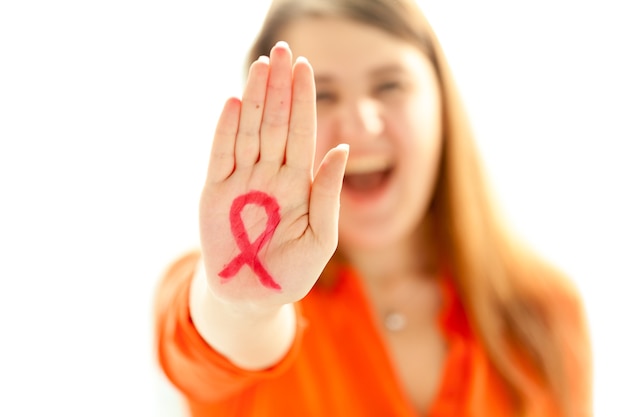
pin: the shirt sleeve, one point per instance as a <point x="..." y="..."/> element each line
<point x="188" y="361"/>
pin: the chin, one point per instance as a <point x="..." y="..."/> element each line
<point x="367" y="239"/>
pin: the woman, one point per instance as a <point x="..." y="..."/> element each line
<point x="425" y="304"/>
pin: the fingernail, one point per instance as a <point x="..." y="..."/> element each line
<point x="301" y="59"/>
<point x="263" y="58"/>
<point x="283" y="44"/>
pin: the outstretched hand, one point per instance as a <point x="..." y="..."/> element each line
<point x="268" y="224"/>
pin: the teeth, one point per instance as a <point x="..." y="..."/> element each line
<point x="364" y="164"/>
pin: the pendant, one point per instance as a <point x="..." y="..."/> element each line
<point x="394" y="321"/>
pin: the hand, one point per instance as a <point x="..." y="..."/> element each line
<point x="268" y="225"/>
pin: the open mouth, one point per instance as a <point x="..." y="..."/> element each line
<point x="367" y="182"/>
<point x="367" y="174"/>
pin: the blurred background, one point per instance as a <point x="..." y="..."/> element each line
<point x="106" y="116"/>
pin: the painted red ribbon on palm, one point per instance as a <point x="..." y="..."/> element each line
<point x="249" y="251"/>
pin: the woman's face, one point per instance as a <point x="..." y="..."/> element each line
<point x="380" y="95"/>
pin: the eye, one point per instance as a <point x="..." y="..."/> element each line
<point x="388" y="86"/>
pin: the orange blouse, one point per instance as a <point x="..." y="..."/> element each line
<point x="338" y="365"/>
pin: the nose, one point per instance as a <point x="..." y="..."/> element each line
<point x="360" y="119"/>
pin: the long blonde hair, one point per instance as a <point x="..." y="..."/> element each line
<point x="521" y="308"/>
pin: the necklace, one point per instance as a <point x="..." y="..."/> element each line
<point x="394" y="321"/>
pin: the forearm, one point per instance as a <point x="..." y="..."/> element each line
<point x="250" y="339"/>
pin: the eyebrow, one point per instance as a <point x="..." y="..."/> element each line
<point x="387" y="70"/>
<point x="377" y="72"/>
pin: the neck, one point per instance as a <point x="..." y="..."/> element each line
<point x="399" y="279"/>
<point x="410" y="257"/>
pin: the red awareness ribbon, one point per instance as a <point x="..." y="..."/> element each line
<point x="249" y="251"/>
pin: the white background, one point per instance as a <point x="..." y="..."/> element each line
<point x="106" y="116"/>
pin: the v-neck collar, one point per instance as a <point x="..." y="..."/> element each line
<point x="454" y="327"/>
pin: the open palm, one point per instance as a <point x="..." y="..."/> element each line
<point x="268" y="225"/>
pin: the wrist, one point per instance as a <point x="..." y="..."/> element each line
<point x="250" y="336"/>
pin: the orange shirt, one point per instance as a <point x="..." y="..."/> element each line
<point x="338" y="365"/>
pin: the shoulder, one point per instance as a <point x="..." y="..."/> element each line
<point x="566" y="323"/>
<point x="562" y="293"/>
<point x="184" y="262"/>
<point x="175" y="278"/>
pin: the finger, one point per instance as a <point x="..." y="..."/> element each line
<point x="275" y="123"/>
<point x="325" y="192"/>
<point x="222" y="158"/>
<point x="303" y="122"/>
<point x="247" y="143"/>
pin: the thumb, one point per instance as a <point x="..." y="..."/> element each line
<point x="325" y="192"/>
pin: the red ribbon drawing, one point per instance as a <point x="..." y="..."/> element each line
<point x="249" y="251"/>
